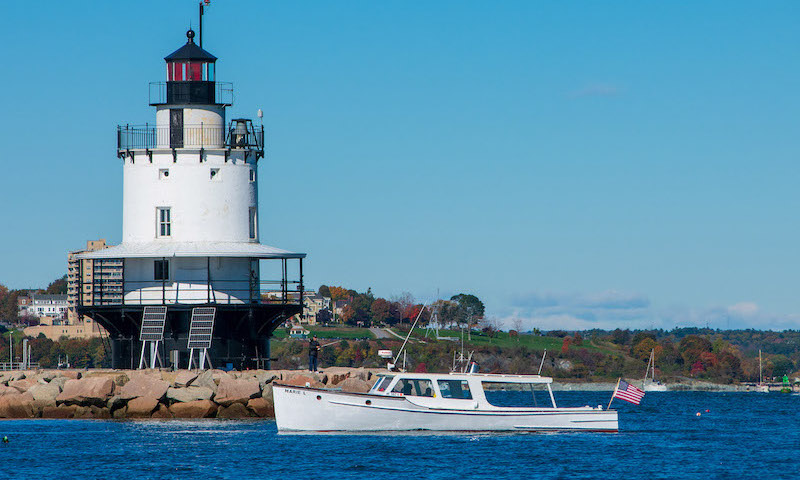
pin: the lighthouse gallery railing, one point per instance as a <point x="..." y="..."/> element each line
<point x="142" y="137"/>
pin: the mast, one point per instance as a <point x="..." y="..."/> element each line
<point x="760" y="380"/>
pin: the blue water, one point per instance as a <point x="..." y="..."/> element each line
<point x="744" y="435"/>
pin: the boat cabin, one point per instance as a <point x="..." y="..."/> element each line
<point x="467" y="390"/>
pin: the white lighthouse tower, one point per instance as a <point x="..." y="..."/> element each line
<point x="190" y="233"/>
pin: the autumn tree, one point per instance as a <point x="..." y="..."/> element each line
<point x="381" y="310"/>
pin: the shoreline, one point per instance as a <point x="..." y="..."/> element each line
<point x="184" y="394"/>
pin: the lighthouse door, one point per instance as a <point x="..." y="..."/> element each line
<point x="176" y="128"/>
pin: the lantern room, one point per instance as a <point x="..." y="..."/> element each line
<point x="190" y="74"/>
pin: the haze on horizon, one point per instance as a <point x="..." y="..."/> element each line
<point x="581" y="165"/>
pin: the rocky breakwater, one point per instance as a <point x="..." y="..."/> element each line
<point x="121" y="394"/>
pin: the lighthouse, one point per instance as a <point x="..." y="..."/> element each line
<point x="191" y="241"/>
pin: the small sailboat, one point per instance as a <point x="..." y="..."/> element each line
<point x="761" y="387"/>
<point x="651" y="384"/>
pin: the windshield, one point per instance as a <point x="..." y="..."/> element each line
<point x="382" y="382"/>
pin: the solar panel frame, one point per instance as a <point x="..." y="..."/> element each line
<point x="201" y="327"/>
<point x="154" y="320"/>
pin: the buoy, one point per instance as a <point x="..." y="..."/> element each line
<point x="698" y="414"/>
<point x="5" y="439"/>
<point x="707" y="410"/>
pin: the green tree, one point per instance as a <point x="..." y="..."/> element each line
<point x="57" y="287"/>
<point x="471" y="304"/>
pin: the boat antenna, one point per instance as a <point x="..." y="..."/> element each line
<point x="542" y="364"/>
<point x="409" y="334"/>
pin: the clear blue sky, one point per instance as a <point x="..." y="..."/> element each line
<point x="574" y="164"/>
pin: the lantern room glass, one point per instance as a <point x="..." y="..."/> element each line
<point x="190" y="71"/>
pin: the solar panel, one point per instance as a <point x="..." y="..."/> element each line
<point x="153" y="320"/>
<point x="201" y="327"/>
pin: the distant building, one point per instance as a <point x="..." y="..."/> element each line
<point x="84" y="329"/>
<point x="98" y="282"/>
<point x="313" y="303"/>
<point x="41" y="306"/>
<point x="23" y="303"/>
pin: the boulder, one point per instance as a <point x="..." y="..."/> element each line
<point x="184" y="378"/>
<point x="17" y="405"/>
<point x="11" y="376"/>
<point x="162" y="412"/>
<point x="141" y="407"/>
<point x="22" y="385"/>
<point x="5" y="390"/>
<point x="195" y="409"/>
<point x="337" y="374"/>
<point x="263" y="377"/>
<point x="60" y="381"/>
<point x="233" y="390"/>
<point x="92" y="411"/>
<point x="62" y="411"/>
<point x="120" y="413"/>
<point x="235" y="410"/>
<point x="45" y="392"/>
<point x="266" y="392"/>
<point x="303" y="380"/>
<point x="354" y="385"/>
<point x="261" y="407"/>
<point x="70" y="374"/>
<point x="116" y="402"/>
<point x="119" y="378"/>
<point x="144" y="386"/>
<point x="87" y="391"/>
<point x="206" y="379"/>
<point x="189" y="394"/>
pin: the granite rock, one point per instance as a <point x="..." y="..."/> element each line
<point x="233" y="390"/>
<point x="195" y="409"/>
<point x="189" y="394"/>
<point x="88" y="391"/>
<point x="147" y="386"/>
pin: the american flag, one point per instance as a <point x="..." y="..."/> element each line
<point x="629" y="393"/>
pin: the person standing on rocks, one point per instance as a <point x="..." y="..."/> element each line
<point x="313" y="351"/>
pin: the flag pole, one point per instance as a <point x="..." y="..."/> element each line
<point x="615" y="392"/>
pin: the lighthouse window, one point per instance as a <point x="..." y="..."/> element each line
<point x="253" y="225"/>
<point x="214" y="173"/>
<point x="163" y="173"/>
<point x="252" y="175"/>
<point x="164" y="222"/>
<point x="161" y="270"/>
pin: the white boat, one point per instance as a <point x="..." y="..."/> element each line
<point x="761" y="387"/>
<point x="439" y="402"/>
<point x="651" y="384"/>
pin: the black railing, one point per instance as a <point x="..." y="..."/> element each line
<point x="238" y="134"/>
<point x="226" y="292"/>
<point x="219" y="93"/>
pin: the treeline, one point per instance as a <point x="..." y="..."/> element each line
<point x="80" y="353"/>
<point x="365" y="309"/>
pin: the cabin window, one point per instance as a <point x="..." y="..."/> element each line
<point x="214" y="173"/>
<point x="163" y="173"/>
<point x="509" y="394"/>
<point x="458" y="389"/>
<point x="414" y="387"/>
<point x="164" y="222"/>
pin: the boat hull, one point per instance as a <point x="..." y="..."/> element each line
<point x="304" y="409"/>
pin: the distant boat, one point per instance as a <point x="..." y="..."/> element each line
<point x="761" y="387"/>
<point x="651" y="384"/>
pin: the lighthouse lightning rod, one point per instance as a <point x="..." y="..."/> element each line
<point x="200" y="26"/>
